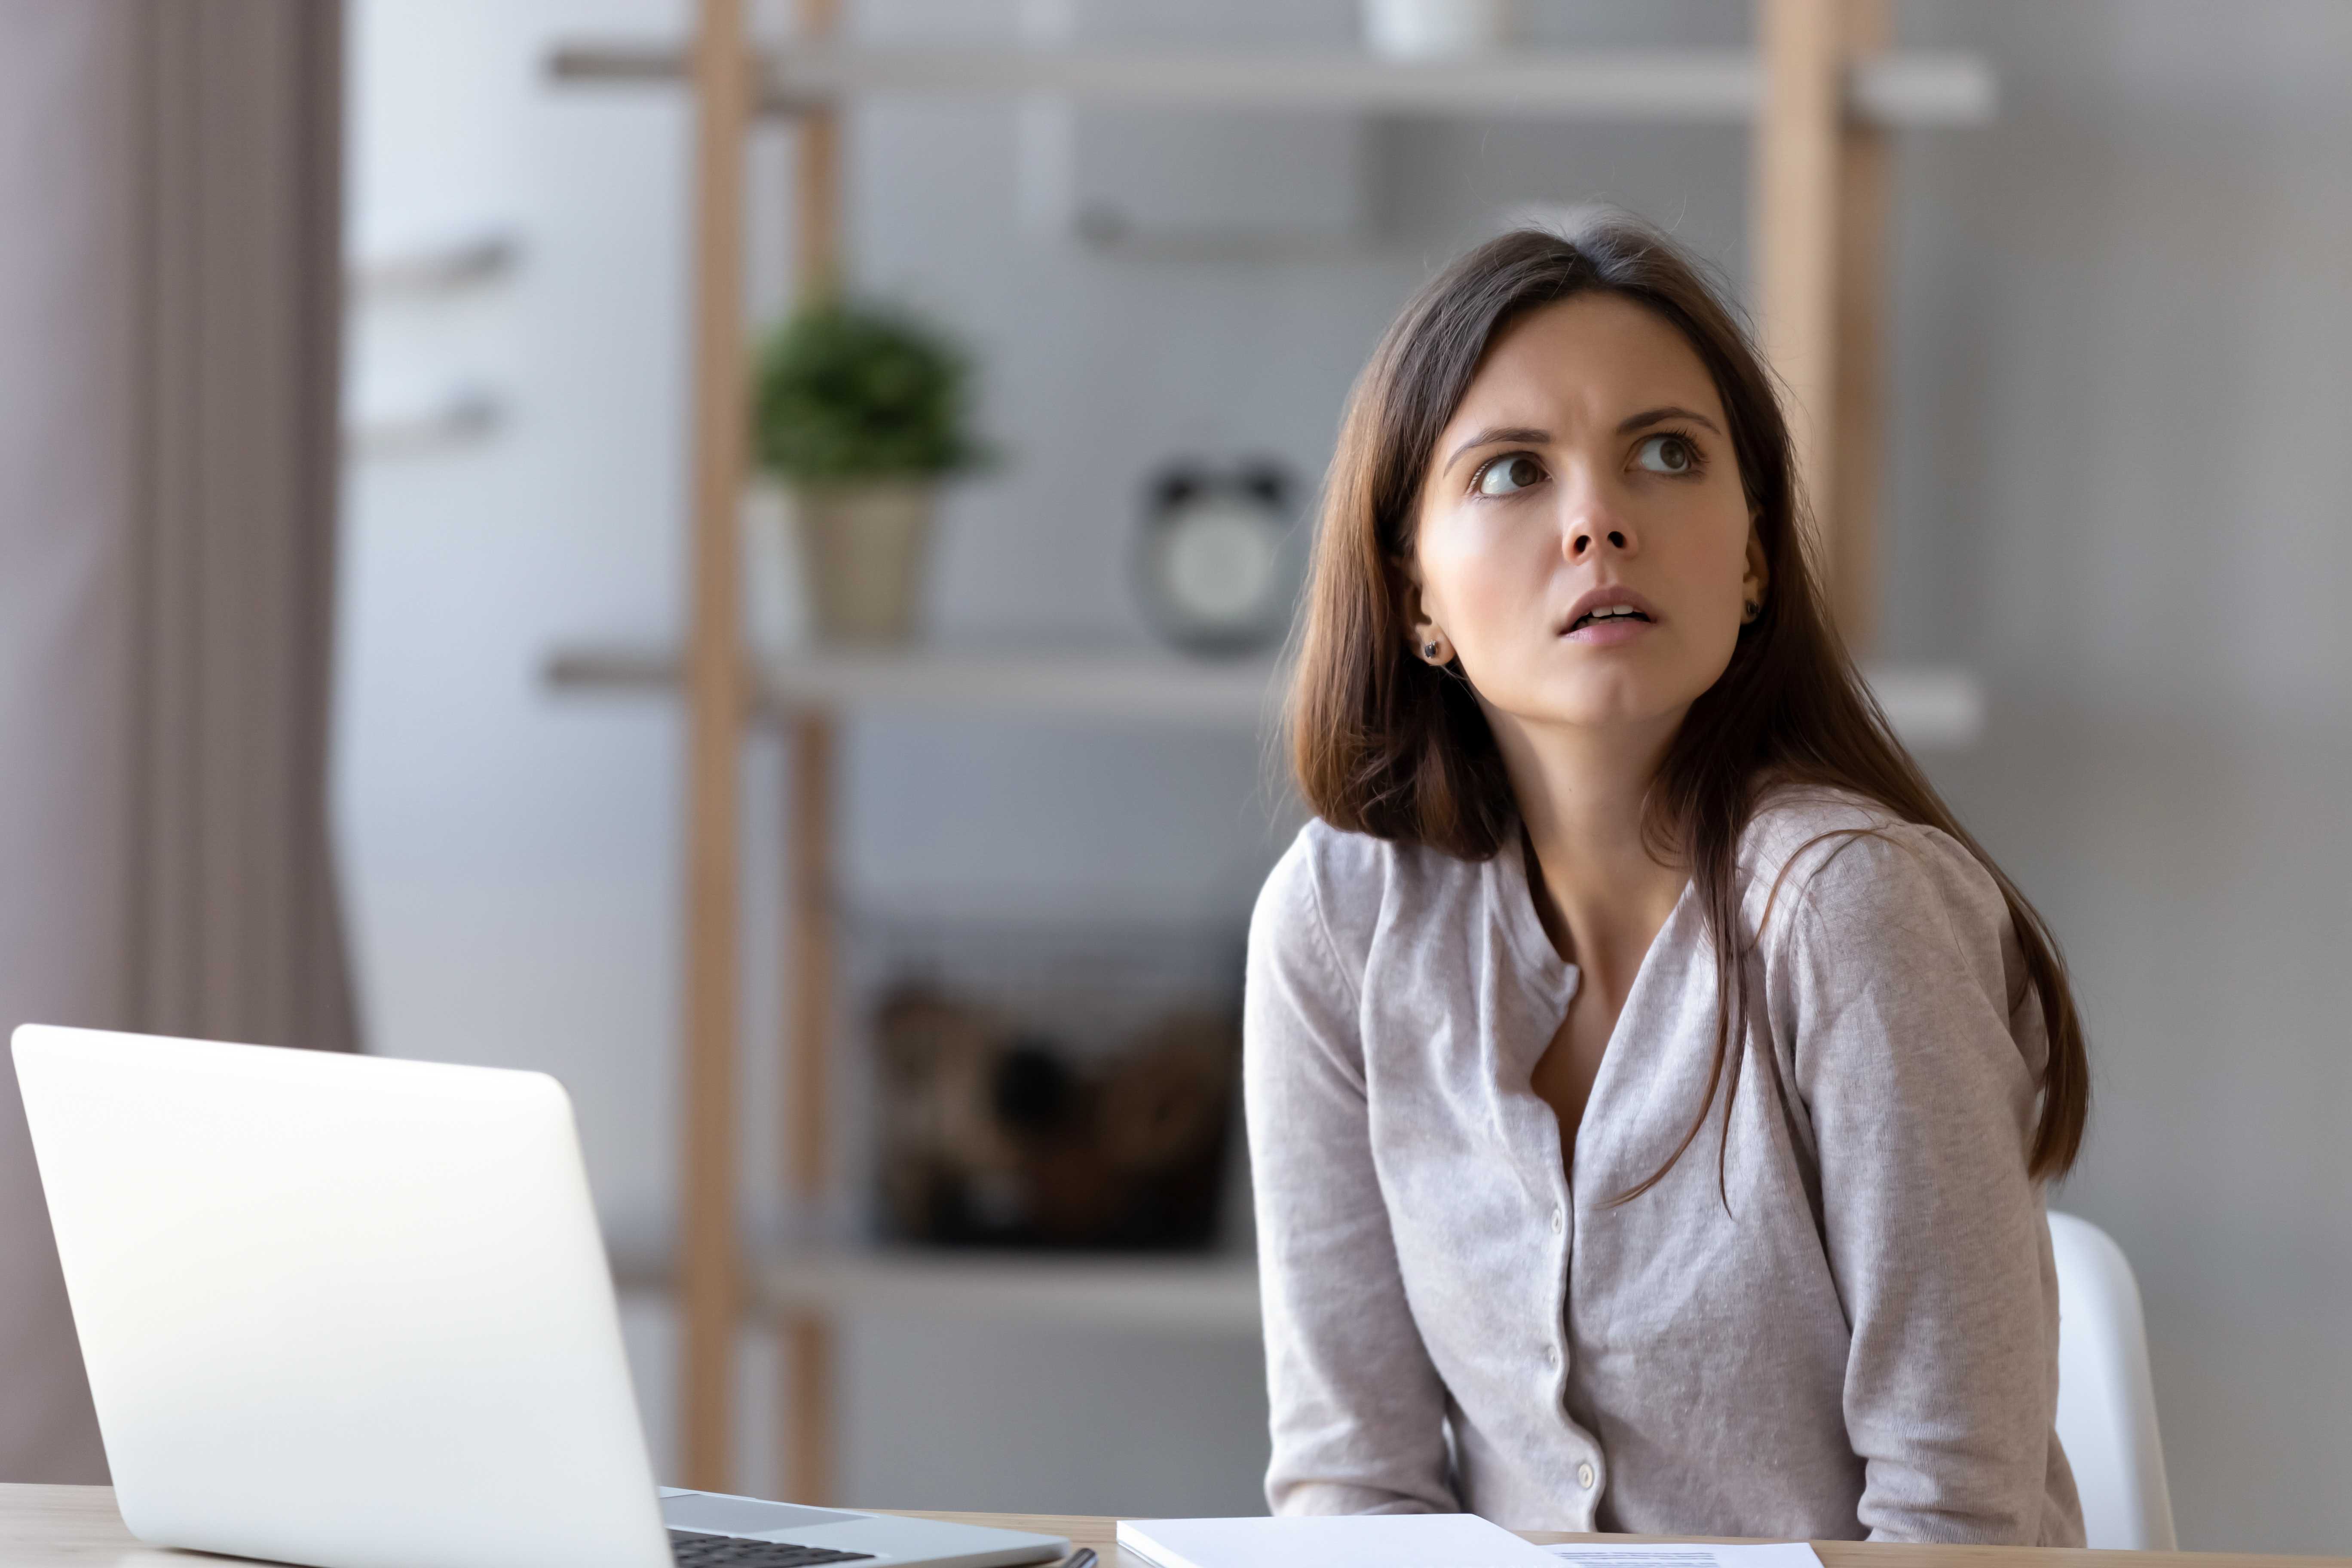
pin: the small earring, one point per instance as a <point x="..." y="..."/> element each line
<point x="1753" y="609"/>
<point x="1429" y="651"/>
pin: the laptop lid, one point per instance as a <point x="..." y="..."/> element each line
<point x="341" y="1310"/>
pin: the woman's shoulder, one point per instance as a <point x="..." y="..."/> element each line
<point x="1792" y="819"/>
<point x="1314" y="902"/>
<point x="1847" y="860"/>
<point x="1360" y="866"/>
<point x="1334" y="885"/>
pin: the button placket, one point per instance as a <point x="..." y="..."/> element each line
<point x="1553" y="1355"/>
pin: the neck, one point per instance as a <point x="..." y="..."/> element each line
<point x="1602" y="890"/>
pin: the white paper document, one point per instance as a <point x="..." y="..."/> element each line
<point x="1332" y="1541"/>
<point x="1673" y="1554"/>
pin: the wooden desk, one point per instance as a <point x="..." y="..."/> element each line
<point x="77" y="1527"/>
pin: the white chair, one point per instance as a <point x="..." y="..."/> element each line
<point x="2106" y="1403"/>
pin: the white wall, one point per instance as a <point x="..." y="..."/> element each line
<point x="507" y="852"/>
<point x="2117" y="348"/>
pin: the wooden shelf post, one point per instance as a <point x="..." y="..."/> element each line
<point x="1819" y="222"/>
<point x="816" y="172"/>
<point x="1858" y="411"/>
<point x="711" y="1268"/>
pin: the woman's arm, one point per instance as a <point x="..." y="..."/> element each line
<point x="1358" y="1410"/>
<point x="1922" y="1099"/>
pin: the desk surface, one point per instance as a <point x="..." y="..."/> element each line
<point x="77" y="1527"/>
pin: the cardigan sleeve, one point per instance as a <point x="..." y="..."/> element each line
<point x="1356" y="1408"/>
<point x="1919" y="1053"/>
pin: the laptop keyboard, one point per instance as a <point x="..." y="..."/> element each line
<point x="693" y="1549"/>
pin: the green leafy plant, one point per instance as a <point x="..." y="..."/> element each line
<point x="850" y="392"/>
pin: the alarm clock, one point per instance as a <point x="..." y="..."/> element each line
<point x="1219" y="555"/>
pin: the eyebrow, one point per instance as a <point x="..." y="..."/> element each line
<point x="1497" y="435"/>
<point x="1535" y="437"/>
<point x="1650" y="416"/>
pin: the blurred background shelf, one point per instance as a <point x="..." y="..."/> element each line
<point x="1900" y="90"/>
<point x="1116" y="685"/>
<point x="1213" y="1295"/>
<point x="1189" y="1296"/>
<point x="1932" y="708"/>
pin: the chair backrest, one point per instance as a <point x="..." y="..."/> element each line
<point x="2107" y="1402"/>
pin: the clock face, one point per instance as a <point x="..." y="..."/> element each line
<point x="1217" y="566"/>
<point x="1220" y="559"/>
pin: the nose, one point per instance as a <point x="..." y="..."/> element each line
<point x="1592" y="528"/>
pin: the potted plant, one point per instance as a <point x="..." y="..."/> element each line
<point x="860" y="411"/>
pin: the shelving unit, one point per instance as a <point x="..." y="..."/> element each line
<point x="1821" y="90"/>
<point x="1932" y="709"/>
<point x="1215" y="1298"/>
<point x="1925" y="89"/>
<point x="1080" y="684"/>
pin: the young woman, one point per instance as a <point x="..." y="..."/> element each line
<point x="1651" y="1086"/>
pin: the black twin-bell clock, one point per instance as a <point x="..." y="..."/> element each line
<point x="1220" y="555"/>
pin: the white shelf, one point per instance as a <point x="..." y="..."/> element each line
<point x="1932" y="708"/>
<point x="1103" y="685"/>
<point x="1197" y="1294"/>
<point x="1902" y="90"/>
<point x="1216" y="1296"/>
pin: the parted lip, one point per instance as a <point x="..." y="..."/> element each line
<point x="1594" y="600"/>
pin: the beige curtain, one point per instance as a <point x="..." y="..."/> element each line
<point x="169" y="327"/>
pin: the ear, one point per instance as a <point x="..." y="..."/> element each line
<point x="1404" y="576"/>
<point x="1758" y="579"/>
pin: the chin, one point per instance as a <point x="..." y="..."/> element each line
<point x="1631" y="688"/>
<point x="1613" y="704"/>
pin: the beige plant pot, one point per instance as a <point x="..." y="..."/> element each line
<point x="862" y="549"/>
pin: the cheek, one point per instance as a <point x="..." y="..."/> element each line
<point x="1714" y="569"/>
<point x="1714" y="560"/>
<point x="1447" y="560"/>
<point x="1471" y="566"/>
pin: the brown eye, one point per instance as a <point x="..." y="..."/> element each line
<point x="1667" y="455"/>
<point x="1505" y="475"/>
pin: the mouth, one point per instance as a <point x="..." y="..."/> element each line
<point x="1608" y="615"/>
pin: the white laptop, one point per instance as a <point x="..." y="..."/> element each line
<point x="356" y="1313"/>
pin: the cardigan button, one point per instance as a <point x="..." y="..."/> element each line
<point x="1551" y="1354"/>
<point x="1584" y="1477"/>
<point x="1559" y="1222"/>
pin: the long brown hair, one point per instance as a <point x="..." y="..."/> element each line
<point x="1385" y="744"/>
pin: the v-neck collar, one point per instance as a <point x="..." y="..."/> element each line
<point x="1555" y="981"/>
<point x="1512" y="890"/>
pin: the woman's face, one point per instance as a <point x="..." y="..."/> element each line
<point x="1584" y="545"/>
